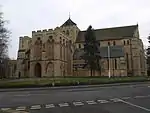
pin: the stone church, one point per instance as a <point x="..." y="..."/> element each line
<point x="57" y="52"/>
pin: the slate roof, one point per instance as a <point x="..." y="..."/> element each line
<point x="115" y="52"/>
<point x="110" y="33"/>
<point x="69" y="22"/>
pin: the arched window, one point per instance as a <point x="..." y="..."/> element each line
<point x="52" y="41"/>
<point x="63" y="40"/>
<point x="115" y="63"/>
<point x="114" y="43"/>
<point x="70" y="41"/>
<point x="49" y="49"/>
<point x="124" y="42"/>
<point x="128" y="42"/>
<point x="61" y="52"/>
<point x="64" y="52"/>
<point x="79" y="45"/>
<point x="43" y="46"/>
<point x="50" y="37"/>
<point x="38" y="48"/>
<point x="38" y="38"/>
<point x="67" y="32"/>
<point x="127" y="60"/>
<point x="28" y="65"/>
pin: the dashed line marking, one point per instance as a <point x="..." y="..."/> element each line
<point x="5" y="109"/>
<point x="63" y="104"/>
<point x="115" y="100"/>
<point x="36" y="107"/>
<point x="148" y="86"/>
<point x="50" y="106"/>
<point x="22" y="108"/>
<point x="103" y="101"/>
<point x="91" y="102"/>
<point x="78" y="103"/>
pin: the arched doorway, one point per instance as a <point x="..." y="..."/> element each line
<point x="37" y="70"/>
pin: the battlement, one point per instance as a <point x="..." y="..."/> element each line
<point x="57" y="28"/>
<point x="22" y="37"/>
<point x="41" y="31"/>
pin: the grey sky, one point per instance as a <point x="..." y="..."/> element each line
<point x="27" y="15"/>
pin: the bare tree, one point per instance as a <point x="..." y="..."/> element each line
<point x="4" y="39"/>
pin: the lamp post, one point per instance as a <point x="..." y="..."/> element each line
<point x="109" y="61"/>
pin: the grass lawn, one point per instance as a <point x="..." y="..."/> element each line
<point x="67" y="81"/>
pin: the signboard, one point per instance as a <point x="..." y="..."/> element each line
<point x="115" y="51"/>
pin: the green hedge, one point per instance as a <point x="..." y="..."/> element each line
<point x="69" y="81"/>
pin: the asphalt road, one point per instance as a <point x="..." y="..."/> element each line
<point x="112" y="99"/>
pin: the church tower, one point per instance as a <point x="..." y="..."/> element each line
<point x="70" y="29"/>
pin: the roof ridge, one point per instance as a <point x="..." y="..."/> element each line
<point x="114" y="27"/>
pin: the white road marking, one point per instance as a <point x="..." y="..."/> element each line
<point x="103" y="101"/>
<point x="126" y="97"/>
<point x="143" y="108"/>
<point x="50" y="106"/>
<point x="78" y="103"/>
<point x="5" y="109"/>
<point x="148" y="86"/>
<point x="36" y="107"/>
<point x="22" y="108"/>
<point x="63" y="104"/>
<point x="115" y="100"/>
<point x="91" y="102"/>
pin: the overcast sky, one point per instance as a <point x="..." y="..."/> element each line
<point x="27" y="15"/>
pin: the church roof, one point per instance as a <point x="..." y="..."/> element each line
<point x="110" y="33"/>
<point x="69" y="22"/>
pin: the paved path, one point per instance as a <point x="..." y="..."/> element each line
<point x="115" y="99"/>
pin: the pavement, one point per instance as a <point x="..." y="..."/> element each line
<point x="131" y="98"/>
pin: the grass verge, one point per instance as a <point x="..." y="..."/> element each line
<point x="67" y="81"/>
